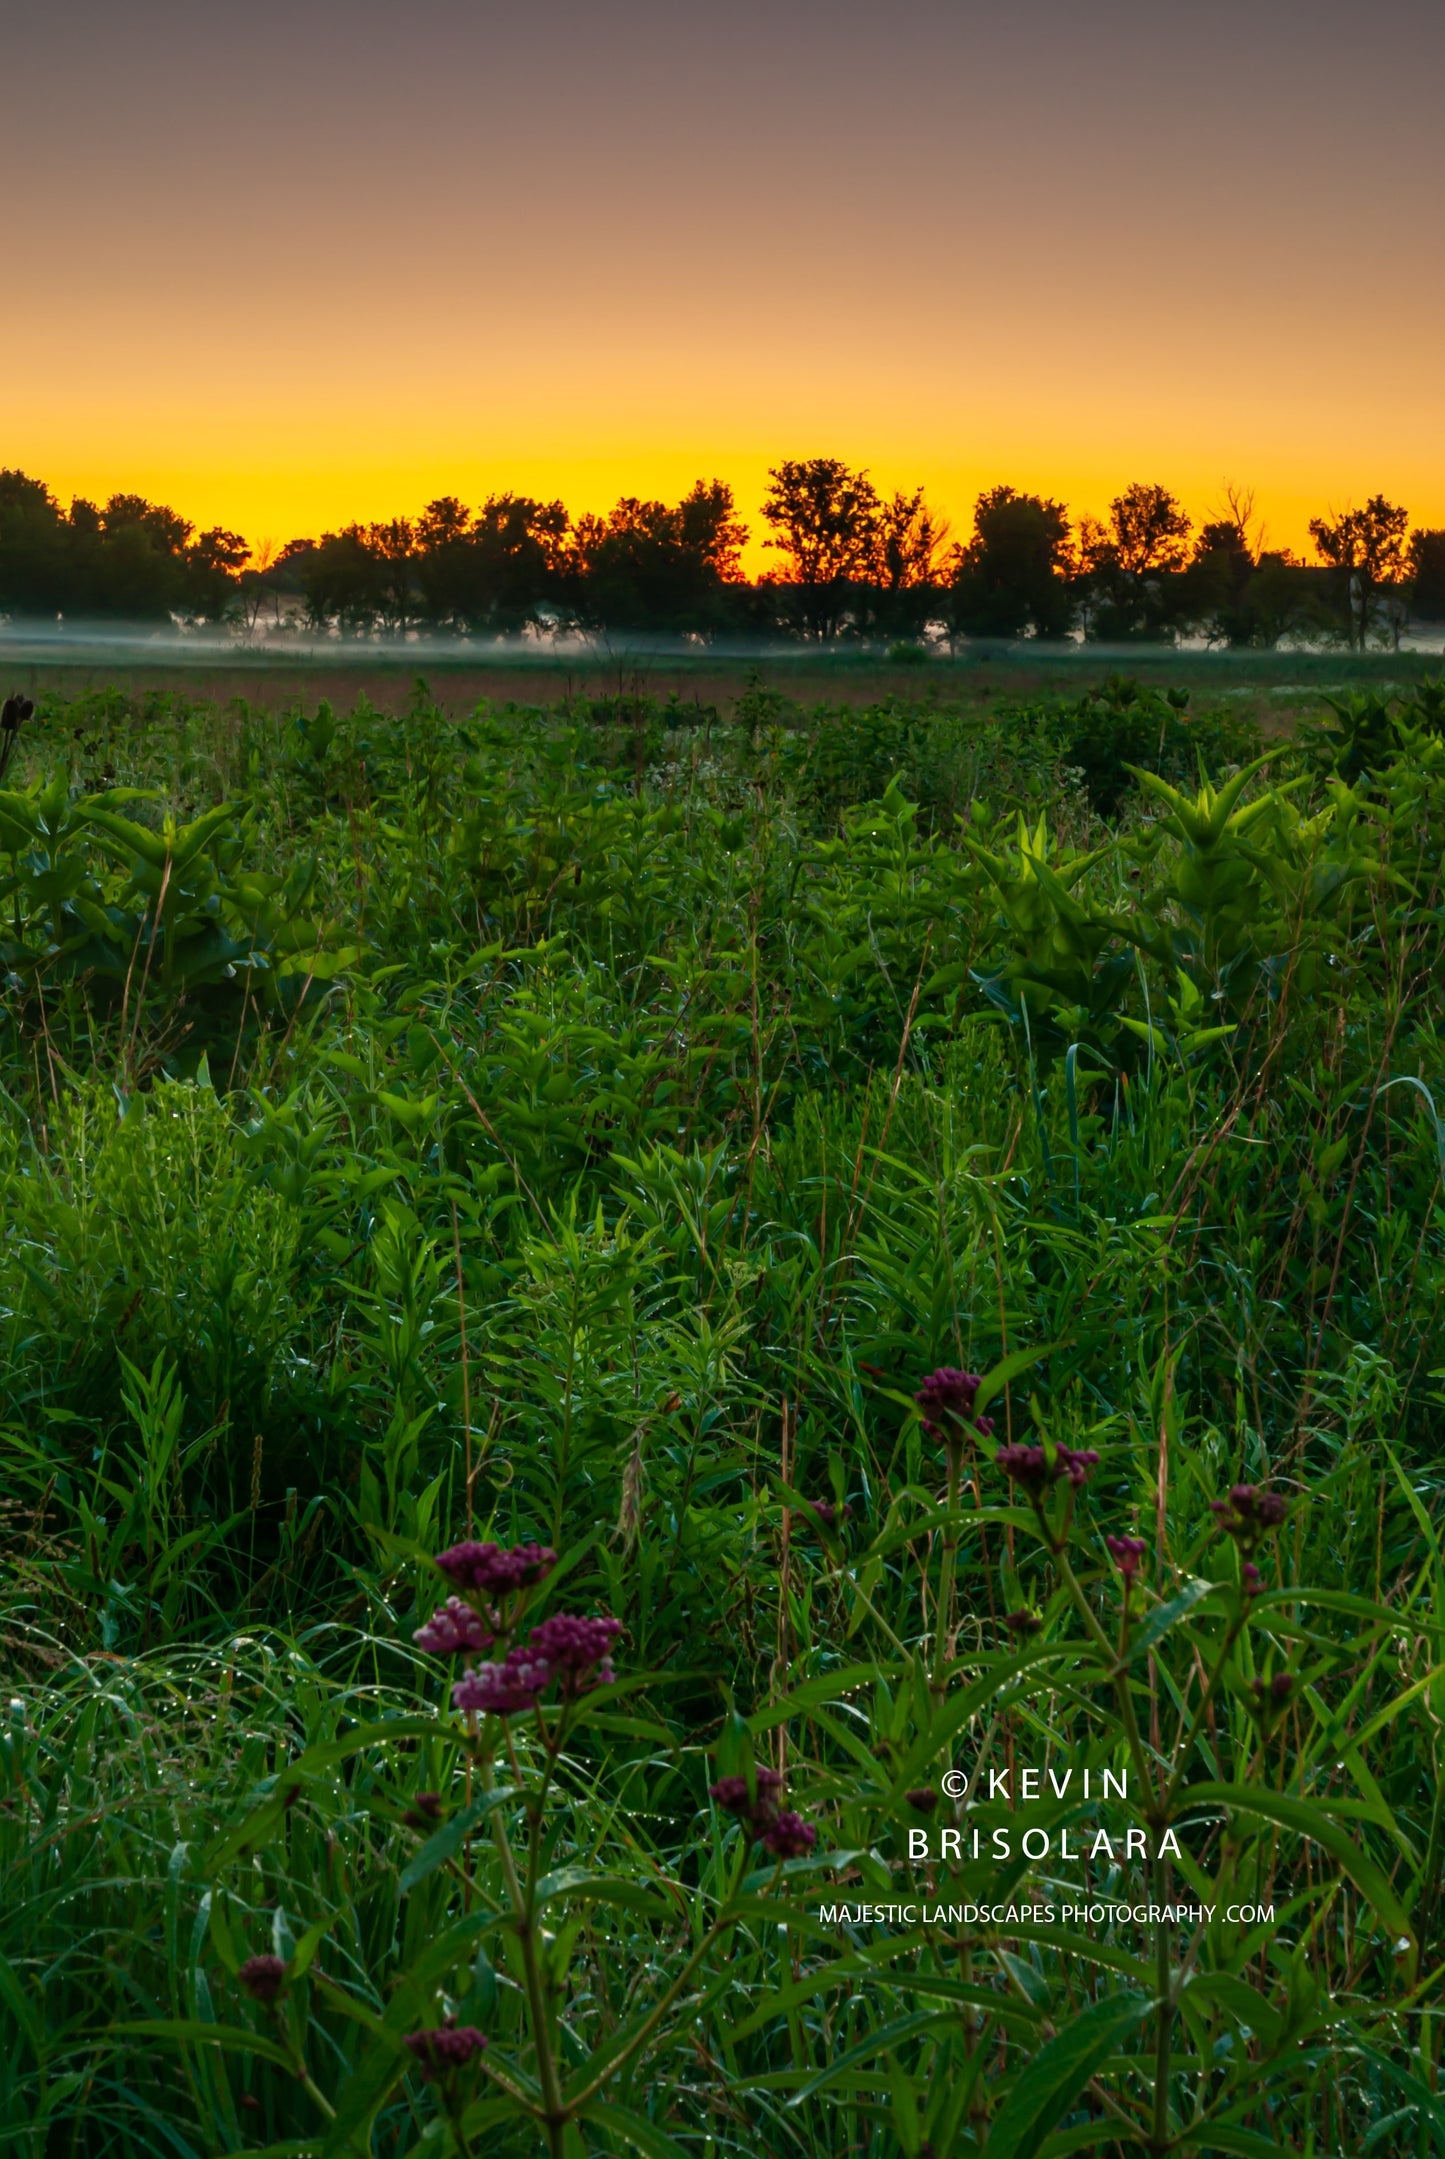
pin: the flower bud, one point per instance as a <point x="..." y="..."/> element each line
<point x="946" y="1399"/>
<point x="788" y="1836"/>
<point x="447" y="2050"/>
<point x="262" y="1978"/>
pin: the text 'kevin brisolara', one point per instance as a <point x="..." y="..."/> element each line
<point x="1094" y="1914"/>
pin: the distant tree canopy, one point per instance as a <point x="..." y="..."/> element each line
<point x="648" y="567"/>
<point x="133" y="560"/>
<point x="851" y="562"/>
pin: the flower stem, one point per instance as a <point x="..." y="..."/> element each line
<point x="943" y="1617"/>
<point x="553" y="2112"/>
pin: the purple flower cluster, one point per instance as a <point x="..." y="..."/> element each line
<point x="778" y="1829"/>
<point x="757" y="1805"/>
<point x="827" y="1515"/>
<point x="1127" y="1554"/>
<point x="946" y="1399"/>
<point x="567" y="1647"/>
<point x="1252" y="1579"/>
<point x="496" y="1569"/>
<point x="1023" y="1622"/>
<point x="451" y="2048"/>
<point x="788" y="1836"/>
<point x="262" y="1978"/>
<point x="575" y="1644"/>
<point x="1031" y="1467"/>
<point x="508" y="1689"/>
<point x="1249" y="1515"/>
<point x="454" y="1630"/>
<point x="922" y="1801"/>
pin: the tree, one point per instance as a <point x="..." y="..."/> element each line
<point x="1364" y="551"/>
<point x="1012" y="577"/>
<point x="211" y="586"/>
<point x="1426" y="560"/>
<point x="257" y="584"/>
<point x="392" y="547"/>
<point x="826" y="519"/>
<point x="342" y="581"/>
<point x="904" y="571"/>
<point x="1149" y="531"/>
<point x="1222" y="569"/>
<point x="1126" y="565"/>
<point x="520" y="561"/>
<point x="128" y="560"/>
<point x="648" y="566"/>
<point x="495" y="572"/>
<point x="1240" y="592"/>
<point x="34" y="550"/>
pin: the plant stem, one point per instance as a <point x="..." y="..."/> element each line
<point x="1164" y="2032"/>
<point x="1196" y="1722"/>
<point x="554" y="2113"/>
<point x="943" y="1617"/>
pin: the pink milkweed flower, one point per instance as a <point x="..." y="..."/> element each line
<point x="453" y="1630"/>
<point x="946" y="1399"/>
<point x="788" y="1836"/>
<point x="567" y="1647"/>
<point x="575" y="1644"/>
<point x="495" y="1568"/>
<point x="451" y="2048"/>
<point x="508" y="1689"/>
<point x="756" y="1806"/>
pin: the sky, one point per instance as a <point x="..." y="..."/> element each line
<point x="291" y="262"/>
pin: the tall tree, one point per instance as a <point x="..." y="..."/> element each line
<point x="1012" y="577"/>
<point x="393" y="549"/>
<point x="1126" y="565"/>
<point x="214" y="562"/>
<point x="1222" y="568"/>
<point x="1364" y="551"/>
<point x="904" y="573"/>
<point x="34" y="548"/>
<point x="825" y="517"/>
<point x="1427" y="574"/>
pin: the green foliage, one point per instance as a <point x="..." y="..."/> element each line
<point x="663" y="1122"/>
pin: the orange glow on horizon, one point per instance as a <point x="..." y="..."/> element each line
<point x="274" y="503"/>
<point x="624" y="249"/>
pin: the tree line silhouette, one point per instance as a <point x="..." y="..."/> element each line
<point x="851" y="563"/>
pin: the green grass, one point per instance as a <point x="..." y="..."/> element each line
<point x="593" y="1131"/>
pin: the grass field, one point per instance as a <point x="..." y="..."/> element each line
<point x="583" y="1121"/>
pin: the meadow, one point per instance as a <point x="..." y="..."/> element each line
<point x="875" y="1242"/>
